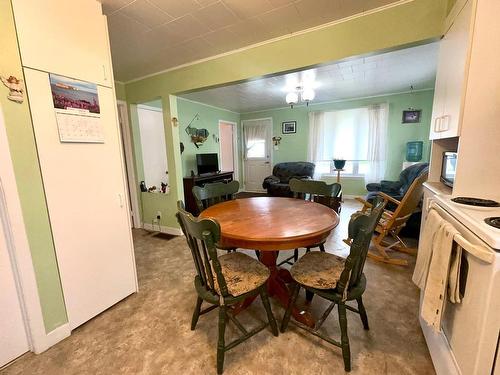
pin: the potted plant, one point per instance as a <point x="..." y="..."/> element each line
<point x="339" y="163"/>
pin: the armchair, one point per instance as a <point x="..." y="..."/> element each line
<point x="277" y="185"/>
<point x="397" y="189"/>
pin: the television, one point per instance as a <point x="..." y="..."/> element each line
<point x="207" y="163"/>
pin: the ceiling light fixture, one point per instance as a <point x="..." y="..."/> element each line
<point x="304" y="94"/>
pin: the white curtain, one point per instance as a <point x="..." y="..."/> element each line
<point x="255" y="135"/>
<point x="377" y="140"/>
<point x="315" y="147"/>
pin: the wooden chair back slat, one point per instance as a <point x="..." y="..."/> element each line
<point x="412" y="198"/>
<point x="201" y="237"/>
<point x="214" y="193"/>
<point x="316" y="191"/>
<point x="361" y="227"/>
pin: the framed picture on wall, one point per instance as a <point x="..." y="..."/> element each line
<point x="411" y="116"/>
<point x="289" y="127"/>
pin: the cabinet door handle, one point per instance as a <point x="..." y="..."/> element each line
<point x="104" y="73"/>
<point x="120" y="199"/>
<point x="446" y="123"/>
<point x="437" y="124"/>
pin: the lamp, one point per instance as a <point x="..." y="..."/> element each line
<point x="292" y="98"/>
<point x="306" y="95"/>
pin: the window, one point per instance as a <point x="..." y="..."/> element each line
<point x="340" y="135"/>
<point x="256" y="148"/>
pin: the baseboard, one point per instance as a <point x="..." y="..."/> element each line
<point x="163" y="229"/>
<point x="41" y="344"/>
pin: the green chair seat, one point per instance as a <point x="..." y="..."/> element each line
<point x="318" y="270"/>
<point x="242" y="273"/>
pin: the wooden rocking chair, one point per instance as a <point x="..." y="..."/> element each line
<point x="392" y="222"/>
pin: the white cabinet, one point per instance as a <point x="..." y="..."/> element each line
<point x="64" y="37"/>
<point x="87" y="202"/>
<point x="451" y="77"/>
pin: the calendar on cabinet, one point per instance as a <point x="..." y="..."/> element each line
<point x="79" y="128"/>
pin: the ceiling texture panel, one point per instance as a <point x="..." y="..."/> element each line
<point x="148" y="36"/>
<point x="386" y="73"/>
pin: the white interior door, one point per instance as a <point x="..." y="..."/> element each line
<point x="128" y="160"/>
<point x="86" y="198"/>
<point x="257" y="146"/>
<point x="13" y="339"/>
<point x="227" y="140"/>
<point x="153" y="146"/>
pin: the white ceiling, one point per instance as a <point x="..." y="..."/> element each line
<point x="390" y="72"/>
<point x="148" y="36"/>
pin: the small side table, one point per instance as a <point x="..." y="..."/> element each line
<point x="340" y="199"/>
<point x="338" y="174"/>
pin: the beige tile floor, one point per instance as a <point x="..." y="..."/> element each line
<point x="149" y="332"/>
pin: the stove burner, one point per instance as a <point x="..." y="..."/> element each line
<point x="493" y="221"/>
<point x="476" y="202"/>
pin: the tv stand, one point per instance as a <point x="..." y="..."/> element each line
<point x="200" y="180"/>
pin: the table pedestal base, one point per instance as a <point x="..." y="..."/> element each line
<point x="276" y="286"/>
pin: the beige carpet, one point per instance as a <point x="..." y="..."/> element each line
<point x="149" y="332"/>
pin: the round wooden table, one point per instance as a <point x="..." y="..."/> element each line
<point x="270" y="224"/>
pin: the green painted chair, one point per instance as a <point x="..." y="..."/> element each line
<point x="319" y="192"/>
<point x="223" y="281"/>
<point x="214" y="193"/>
<point x="337" y="280"/>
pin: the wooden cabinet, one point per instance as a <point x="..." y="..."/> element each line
<point x="189" y="182"/>
<point x="451" y="77"/>
<point x="64" y="37"/>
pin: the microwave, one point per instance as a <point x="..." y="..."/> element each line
<point x="449" y="168"/>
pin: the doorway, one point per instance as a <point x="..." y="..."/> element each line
<point x="228" y="147"/>
<point x="257" y="148"/>
<point x="128" y="159"/>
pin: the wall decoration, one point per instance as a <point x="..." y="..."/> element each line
<point x="16" y="89"/>
<point x="198" y="136"/>
<point x="276" y="141"/>
<point x="78" y="113"/>
<point x="72" y="94"/>
<point x="411" y="116"/>
<point x="289" y="127"/>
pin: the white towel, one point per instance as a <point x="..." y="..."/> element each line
<point x="437" y="279"/>
<point x="432" y="225"/>
<point x="454" y="278"/>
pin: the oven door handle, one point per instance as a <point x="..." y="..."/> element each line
<point x="478" y="251"/>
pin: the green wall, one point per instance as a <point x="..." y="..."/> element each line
<point x="29" y="180"/>
<point x="356" y="36"/>
<point x="120" y="91"/>
<point x="209" y="119"/>
<point x="293" y="147"/>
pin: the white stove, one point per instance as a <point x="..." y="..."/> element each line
<point x="473" y="217"/>
<point x="470" y="338"/>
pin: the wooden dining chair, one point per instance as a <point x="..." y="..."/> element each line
<point x="223" y="281"/>
<point x="319" y="192"/>
<point x="214" y="193"/>
<point x="392" y="222"/>
<point x="337" y="280"/>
